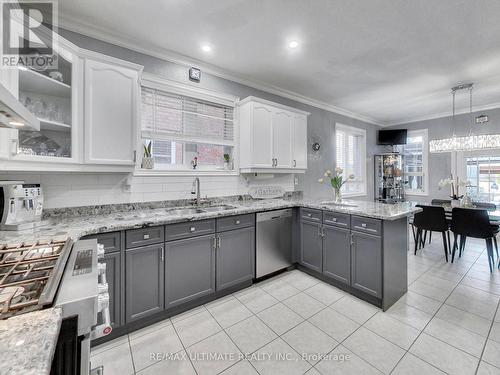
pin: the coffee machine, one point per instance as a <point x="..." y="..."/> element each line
<point x="21" y="205"/>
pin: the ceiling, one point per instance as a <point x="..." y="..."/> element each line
<point x="388" y="61"/>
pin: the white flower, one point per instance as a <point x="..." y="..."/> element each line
<point x="320" y="180"/>
<point x="338" y="170"/>
<point x="328" y="173"/>
<point x="351" y="177"/>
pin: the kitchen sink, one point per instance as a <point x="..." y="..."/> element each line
<point x="222" y="207"/>
<point x="185" y="211"/>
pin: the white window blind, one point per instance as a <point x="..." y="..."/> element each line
<point x="351" y="156"/>
<point x="182" y="127"/>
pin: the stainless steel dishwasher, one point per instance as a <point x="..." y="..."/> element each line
<point x="274" y="241"/>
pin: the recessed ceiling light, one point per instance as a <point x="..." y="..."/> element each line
<point x="16" y="123"/>
<point x="206" y="48"/>
<point x="293" y="44"/>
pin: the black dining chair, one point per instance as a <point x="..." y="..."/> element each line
<point x="432" y="219"/>
<point x="474" y="223"/>
<point x="440" y="202"/>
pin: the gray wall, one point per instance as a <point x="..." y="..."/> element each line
<point x="320" y="122"/>
<point x="440" y="163"/>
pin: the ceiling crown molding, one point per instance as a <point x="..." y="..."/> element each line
<point x="78" y="26"/>
<point x="478" y="108"/>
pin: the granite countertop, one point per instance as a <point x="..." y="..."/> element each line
<point x="79" y="222"/>
<point x="28" y="342"/>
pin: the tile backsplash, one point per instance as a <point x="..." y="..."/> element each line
<point x="83" y="189"/>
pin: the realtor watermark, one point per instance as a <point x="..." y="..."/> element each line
<point x="29" y="34"/>
<point x="256" y="357"/>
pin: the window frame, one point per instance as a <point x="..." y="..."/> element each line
<point x="159" y="83"/>
<point x="425" y="160"/>
<point x="357" y="131"/>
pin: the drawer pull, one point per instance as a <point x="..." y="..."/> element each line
<point x="145" y="236"/>
<point x="334" y="219"/>
<point x="366" y="229"/>
<point x="309" y="215"/>
<point x="192" y="229"/>
<point x="237" y="222"/>
<point x="363" y="225"/>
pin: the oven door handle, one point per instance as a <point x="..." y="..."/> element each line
<point x="104" y="328"/>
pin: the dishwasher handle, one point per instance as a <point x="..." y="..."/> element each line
<point x="274" y="215"/>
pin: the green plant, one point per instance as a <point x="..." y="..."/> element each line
<point x="336" y="180"/>
<point x="227" y="158"/>
<point x="147" y="150"/>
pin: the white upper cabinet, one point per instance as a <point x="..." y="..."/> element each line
<point x="273" y="137"/>
<point x="111" y="112"/>
<point x="299" y="142"/>
<point x="282" y="133"/>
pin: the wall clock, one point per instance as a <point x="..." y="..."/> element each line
<point x="195" y="74"/>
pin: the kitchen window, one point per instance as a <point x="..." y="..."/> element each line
<point x="351" y="157"/>
<point x="190" y="129"/>
<point x="416" y="153"/>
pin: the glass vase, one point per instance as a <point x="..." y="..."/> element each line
<point x="337" y="196"/>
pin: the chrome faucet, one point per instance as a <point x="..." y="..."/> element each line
<point x="195" y="189"/>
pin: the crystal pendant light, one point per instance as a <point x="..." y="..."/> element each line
<point x="466" y="143"/>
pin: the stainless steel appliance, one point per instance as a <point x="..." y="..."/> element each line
<point x="389" y="178"/>
<point x="274" y="241"/>
<point x="63" y="274"/>
<point x="21" y="205"/>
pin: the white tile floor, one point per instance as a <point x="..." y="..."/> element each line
<point x="448" y="322"/>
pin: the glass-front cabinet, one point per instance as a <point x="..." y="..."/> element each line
<point x="50" y="94"/>
<point x="389" y="178"/>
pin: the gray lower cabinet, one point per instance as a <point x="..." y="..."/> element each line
<point x="366" y="263"/>
<point x="337" y="253"/>
<point x="144" y="281"/>
<point x="235" y="257"/>
<point x="113" y="275"/>
<point x="189" y="269"/>
<point x="311" y="254"/>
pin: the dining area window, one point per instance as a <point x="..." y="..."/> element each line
<point x="483" y="175"/>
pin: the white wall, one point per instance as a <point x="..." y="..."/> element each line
<point x="73" y="190"/>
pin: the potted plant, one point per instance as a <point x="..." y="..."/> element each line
<point x="227" y="160"/>
<point x="336" y="181"/>
<point x="148" y="161"/>
<point x="455" y="189"/>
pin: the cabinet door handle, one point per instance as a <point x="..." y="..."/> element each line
<point x="218" y="242"/>
<point x="145" y="236"/>
<point x="294" y="163"/>
<point x="14" y="146"/>
<point x="192" y="229"/>
<point x="352" y="239"/>
<point x="162" y="254"/>
<point x="214" y="243"/>
<point x="276" y="162"/>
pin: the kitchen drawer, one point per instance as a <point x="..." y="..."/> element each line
<point x="337" y="219"/>
<point x="190" y="229"/>
<point x="235" y="222"/>
<point x="144" y="236"/>
<point x="311" y="215"/>
<point x="111" y="241"/>
<point x="366" y="225"/>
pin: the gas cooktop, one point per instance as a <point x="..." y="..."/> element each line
<point x="29" y="276"/>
